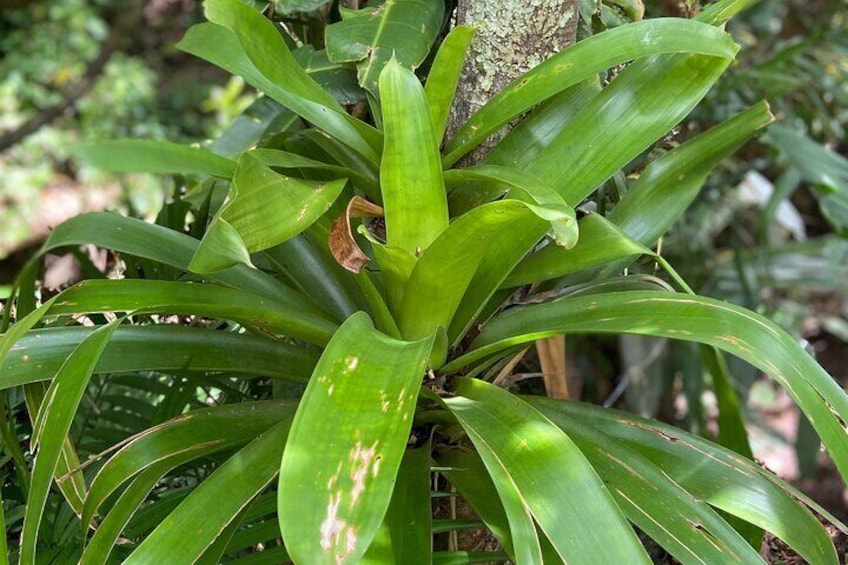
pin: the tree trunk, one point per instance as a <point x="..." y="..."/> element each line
<point x="512" y="37"/>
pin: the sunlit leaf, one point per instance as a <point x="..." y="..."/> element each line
<point x="358" y="409"/>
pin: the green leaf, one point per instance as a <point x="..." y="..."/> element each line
<point x="294" y="6"/>
<point x="372" y="36"/>
<point x="250" y="126"/>
<point x="411" y="171"/>
<point x="506" y="509"/>
<point x="644" y="102"/>
<point x="102" y="543"/>
<point x="740" y="332"/>
<point x="182" y="439"/>
<point x="166" y="297"/>
<point x="406" y="533"/>
<point x="38" y="355"/>
<point x="582" y="61"/>
<point x="548" y="204"/>
<point x="215" y="502"/>
<point x="681" y="523"/>
<point x="358" y="408"/>
<point x="558" y="486"/>
<point x="55" y="417"/>
<point x="669" y="184"/>
<point x="444" y="74"/>
<point x="337" y="79"/>
<point x="286" y="160"/>
<point x="600" y="243"/>
<point x="467" y="472"/>
<point x="445" y="269"/>
<point x="710" y="472"/>
<point x="247" y="44"/>
<point x="263" y="209"/>
<point x="169" y="247"/>
<point x="153" y="156"/>
<point x="826" y="170"/>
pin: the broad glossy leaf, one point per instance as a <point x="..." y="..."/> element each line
<point x="358" y="410"/>
<point x="187" y="299"/>
<point x="444" y="74"/>
<point x="582" y="61"/>
<point x="263" y="209"/>
<point x="541" y="198"/>
<point x="371" y="36"/>
<point x="167" y="348"/>
<point x="644" y="102"/>
<point x="443" y="272"/>
<point x="712" y="473"/>
<point x="154" y="156"/>
<point x="55" y="417"/>
<point x="411" y="172"/>
<point x="245" y="43"/>
<point x="600" y="243"/>
<point x="669" y="184"/>
<point x="215" y="502"/>
<point x="683" y="524"/>
<point x="730" y="328"/>
<point x="569" y="502"/>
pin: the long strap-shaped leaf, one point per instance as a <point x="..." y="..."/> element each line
<point x="557" y="484"/>
<point x="38" y="355"/>
<point x="708" y="471"/>
<point x="182" y="439"/>
<point x="167" y="297"/>
<point x="347" y="441"/>
<point x="444" y="75"/>
<point x="154" y="156"/>
<point x="681" y="523"/>
<point x="51" y="428"/>
<point x="135" y="237"/>
<point x="694" y="318"/>
<point x="264" y="56"/>
<point x="214" y="503"/>
<point x="582" y="61"/>
<point x="410" y="172"/>
<point x="645" y="101"/>
<point x="668" y="185"/>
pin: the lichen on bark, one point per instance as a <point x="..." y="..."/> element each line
<point x="512" y="37"/>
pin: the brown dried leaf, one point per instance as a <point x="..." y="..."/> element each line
<point x="342" y="244"/>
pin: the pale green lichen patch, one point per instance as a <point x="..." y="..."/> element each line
<point x="511" y="39"/>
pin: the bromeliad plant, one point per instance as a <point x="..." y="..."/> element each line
<point x="354" y="258"/>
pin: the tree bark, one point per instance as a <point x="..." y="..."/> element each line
<point x="512" y="37"/>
